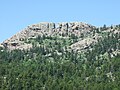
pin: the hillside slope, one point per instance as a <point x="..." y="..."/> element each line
<point x="64" y="56"/>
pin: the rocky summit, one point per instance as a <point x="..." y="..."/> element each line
<point x="48" y="29"/>
<point x="82" y="36"/>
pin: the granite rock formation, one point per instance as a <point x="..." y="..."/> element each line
<point x="48" y="29"/>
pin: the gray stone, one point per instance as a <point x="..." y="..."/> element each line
<point x="51" y="26"/>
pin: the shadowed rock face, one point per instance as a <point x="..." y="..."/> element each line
<point x="45" y="28"/>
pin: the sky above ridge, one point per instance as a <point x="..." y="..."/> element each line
<point x="15" y="15"/>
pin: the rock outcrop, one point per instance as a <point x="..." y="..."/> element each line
<point x="87" y="34"/>
<point x="83" y="44"/>
<point x="48" y="29"/>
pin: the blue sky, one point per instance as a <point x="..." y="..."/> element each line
<point x="15" y="15"/>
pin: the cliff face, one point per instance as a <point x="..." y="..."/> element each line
<point x="47" y="29"/>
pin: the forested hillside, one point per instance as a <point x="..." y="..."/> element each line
<point x="67" y="61"/>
